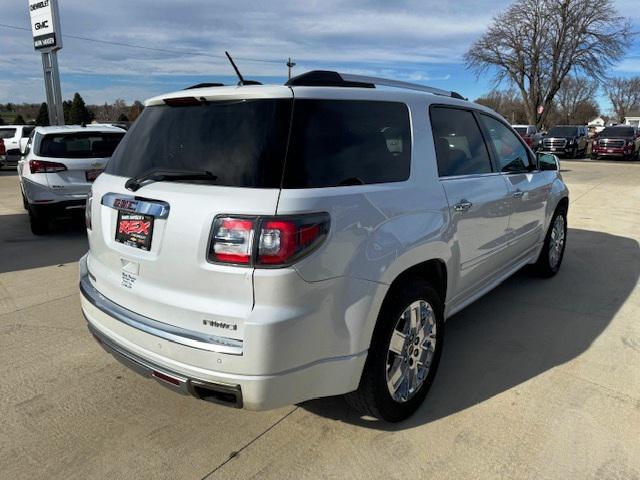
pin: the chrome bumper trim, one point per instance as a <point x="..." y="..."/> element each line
<point x="182" y="336"/>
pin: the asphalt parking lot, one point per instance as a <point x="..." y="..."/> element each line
<point x="539" y="379"/>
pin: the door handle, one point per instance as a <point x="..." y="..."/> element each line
<point x="518" y="194"/>
<point x="462" y="206"/>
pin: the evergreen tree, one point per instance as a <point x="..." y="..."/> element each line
<point x="43" y="115"/>
<point x="135" y="110"/>
<point x="123" y="118"/>
<point x="78" y="113"/>
<point x="19" y="120"/>
<point x="66" y="109"/>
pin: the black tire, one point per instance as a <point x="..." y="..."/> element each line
<point x="38" y="222"/>
<point x="373" y="396"/>
<point x="544" y="266"/>
<point x="594" y="157"/>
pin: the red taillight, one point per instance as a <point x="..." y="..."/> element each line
<point x="232" y="240"/>
<point x="3" y="150"/>
<point x="266" y="241"/>
<point x="40" y="166"/>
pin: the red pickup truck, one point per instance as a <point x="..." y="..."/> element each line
<point x="622" y="141"/>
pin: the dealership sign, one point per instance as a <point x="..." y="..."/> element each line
<point x="45" y="24"/>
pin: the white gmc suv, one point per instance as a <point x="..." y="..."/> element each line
<point x="259" y="246"/>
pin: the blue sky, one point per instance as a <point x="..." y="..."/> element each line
<point x="421" y="41"/>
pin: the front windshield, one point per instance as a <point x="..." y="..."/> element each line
<point x="617" y="132"/>
<point x="563" y="132"/>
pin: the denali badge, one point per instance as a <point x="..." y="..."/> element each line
<point x="214" y="323"/>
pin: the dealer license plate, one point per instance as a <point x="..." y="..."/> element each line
<point x="135" y="230"/>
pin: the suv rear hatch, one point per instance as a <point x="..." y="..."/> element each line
<point x="72" y="161"/>
<point x="149" y="246"/>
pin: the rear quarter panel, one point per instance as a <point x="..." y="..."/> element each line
<point x="377" y="231"/>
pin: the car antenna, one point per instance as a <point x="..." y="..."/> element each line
<point x="242" y="80"/>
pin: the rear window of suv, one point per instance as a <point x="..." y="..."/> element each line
<point x="241" y="142"/>
<point x="79" y="145"/>
<point x="244" y="143"/>
<point x="7" y="132"/>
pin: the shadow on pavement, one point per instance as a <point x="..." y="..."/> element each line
<point x="21" y="250"/>
<point x="521" y="329"/>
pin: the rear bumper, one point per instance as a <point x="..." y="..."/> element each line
<point x="57" y="209"/>
<point x="226" y="394"/>
<point x="9" y="160"/>
<point x="39" y="194"/>
<point x="209" y="369"/>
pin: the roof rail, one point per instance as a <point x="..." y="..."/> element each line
<point x="325" y="78"/>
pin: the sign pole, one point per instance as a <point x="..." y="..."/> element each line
<point x="45" y="25"/>
<point x="52" y="87"/>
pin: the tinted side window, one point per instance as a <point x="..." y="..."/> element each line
<point x="338" y="142"/>
<point x="460" y="148"/>
<point x="510" y="153"/>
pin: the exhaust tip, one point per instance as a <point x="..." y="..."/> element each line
<point x="221" y="394"/>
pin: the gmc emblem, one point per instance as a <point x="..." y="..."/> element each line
<point x="124" y="204"/>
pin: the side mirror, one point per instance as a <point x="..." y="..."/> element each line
<point x="548" y="162"/>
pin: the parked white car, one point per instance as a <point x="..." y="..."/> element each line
<point x="58" y="167"/>
<point x="14" y="138"/>
<point x="260" y="246"/>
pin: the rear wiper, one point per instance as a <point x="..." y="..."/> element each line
<point x="350" y="181"/>
<point x="134" y="184"/>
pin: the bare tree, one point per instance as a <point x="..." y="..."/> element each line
<point x="534" y="45"/>
<point x="507" y="103"/>
<point x="624" y="94"/>
<point x="574" y="94"/>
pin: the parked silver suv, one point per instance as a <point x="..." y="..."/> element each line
<point x="264" y="245"/>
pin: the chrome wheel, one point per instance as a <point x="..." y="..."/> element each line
<point x="556" y="242"/>
<point x="411" y="350"/>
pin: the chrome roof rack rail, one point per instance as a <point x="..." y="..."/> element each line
<point x="325" y="78"/>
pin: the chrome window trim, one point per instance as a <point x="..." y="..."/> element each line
<point x="182" y="336"/>
<point x="155" y="208"/>
<point x="471" y="175"/>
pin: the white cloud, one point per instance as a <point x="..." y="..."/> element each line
<point x="417" y="40"/>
